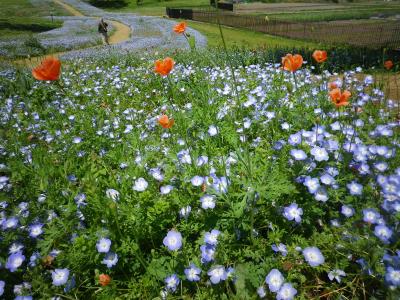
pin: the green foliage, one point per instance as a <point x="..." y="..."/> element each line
<point x="97" y="100"/>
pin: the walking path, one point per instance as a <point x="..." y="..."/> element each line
<point x="122" y="31"/>
<point x="130" y="33"/>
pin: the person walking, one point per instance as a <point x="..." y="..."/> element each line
<point x="103" y="30"/>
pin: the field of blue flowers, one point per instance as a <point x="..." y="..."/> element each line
<point x="214" y="181"/>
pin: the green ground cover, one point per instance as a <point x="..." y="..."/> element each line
<point x="18" y="17"/>
<point x="92" y="184"/>
<point x="333" y="15"/>
<point x="245" y="38"/>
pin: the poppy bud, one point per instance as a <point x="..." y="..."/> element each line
<point x="104" y="279"/>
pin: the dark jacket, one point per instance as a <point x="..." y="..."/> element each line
<point x="102" y="27"/>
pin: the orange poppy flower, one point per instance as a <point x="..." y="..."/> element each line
<point x="166" y="122"/>
<point x="388" y="64"/>
<point x="292" y="62"/>
<point x="48" y="70"/>
<point x="180" y="28"/>
<point x="338" y="98"/>
<point x="164" y="67"/>
<point x="320" y="56"/>
<point x="104" y="279"/>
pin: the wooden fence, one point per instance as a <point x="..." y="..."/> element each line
<point x="371" y="34"/>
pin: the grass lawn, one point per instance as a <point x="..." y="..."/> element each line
<point x="321" y="12"/>
<point x="245" y="38"/>
<point x="21" y="17"/>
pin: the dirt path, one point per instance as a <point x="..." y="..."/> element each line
<point x="122" y="33"/>
<point x="69" y="8"/>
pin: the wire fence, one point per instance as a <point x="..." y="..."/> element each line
<point x="369" y="34"/>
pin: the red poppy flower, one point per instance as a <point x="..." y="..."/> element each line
<point x="292" y="62"/>
<point x="164" y="67"/>
<point x="388" y="64"/>
<point x="338" y="98"/>
<point x="48" y="70"/>
<point x="320" y="56"/>
<point x="104" y="279"/>
<point x="166" y="122"/>
<point x="180" y="28"/>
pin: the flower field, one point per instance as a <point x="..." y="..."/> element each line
<point x="140" y="177"/>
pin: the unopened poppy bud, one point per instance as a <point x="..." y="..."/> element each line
<point x="104" y="279"/>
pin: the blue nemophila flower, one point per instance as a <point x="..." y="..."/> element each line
<point x="157" y="174"/>
<point x="286" y="292"/>
<point x="261" y="292"/>
<point x="202" y="160"/>
<point x="347" y="211"/>
<point x="35" y="230"/>
<point x="70" y="284"/>
<point x="331" y="145"/>
<point x="77" y="140"/>
<point x="355" y="188"/>
<point x="197" y="180"/>
<point x="274" y="279"/>
<point x="184" y="157"/>
<point x="371" y="216"/>
<point x="173" y="240"/>
<point x="312" y="184"/>
<point x="14" y="261"/>
<point x="24" y="287"/>
<point x="332" y="171"/>
<point x="80" y="200"/>
<point x="298" y="154"/>
<point x="285" y="126"/>
<point x="207" y="253"/>
<point x="211" y="238"/>
<point x="166" y="189"/>
<point x="72" y="178"/>
<point x="392" y="276"/>
<point x="280" y="248"/>
<point x="321" y="194"/>
<point x="2" y="284"/>
<point x="10" y="223"/>
<point x="207" y="201"/>
<point x="313" y="256"/>
<point x="185" y="211"/>
<point x="320" y="154"/>
<point x="110" y="259"/>
<point x="60" y="276"/>
<point x="327" y="179"/>
<point x="295" y="139"/>
<point x="103" y="245"/>
<point x="23" y="298"/>
<point x="217" y="274"/>
<point x="34" y="257"/>
<point x="381" y="166"/>
<point x="336" y="274"/>
<point x="112" y="194"/>
<point x="16" y="247"/>
<point x="172" y="282"/>
<point x="220" y="185"/>
<point x="212" y="130"/>
<point x="383" y="232"/>
<point x="192" y="273"/>
<point x="293" y="212"/>
<point x="364" y="266"/>
<point x="140" y="185"/>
